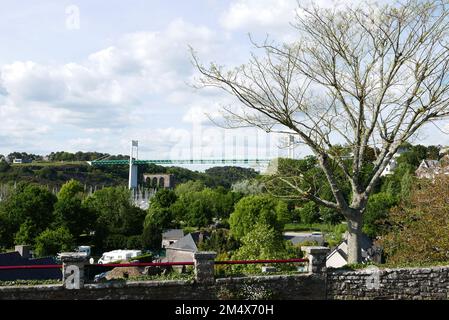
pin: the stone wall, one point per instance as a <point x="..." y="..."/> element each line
<point x="405" y="283"/>
<point x="317" y="284"/>
<point x="285" y="287"/>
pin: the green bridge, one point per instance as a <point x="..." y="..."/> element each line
<point x="180" y="162"/>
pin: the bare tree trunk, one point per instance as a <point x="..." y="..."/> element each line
<point x="354" y="239"/>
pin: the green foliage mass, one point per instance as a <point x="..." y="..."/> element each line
<point x="418" y="229"/>
<point x="255" y="209"/>
<point x="30" y="205"/>
<point x="219" y="241"/>
<point x="376" y="212"/>
<point x="116" y="217"/>
<point x="262" y="242"/>
<point x="50" y="242"/>
<point x="308" y="213"/>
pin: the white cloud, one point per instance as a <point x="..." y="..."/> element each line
<point x="251" y="14"/>
<point x="273" y="17"/>
<point x="135" y="88"/>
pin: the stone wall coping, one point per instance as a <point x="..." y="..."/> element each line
<point x="123" y="283"/>
<point x="262" y="278"/>
<point x="40" y="287"/>
<point x="205" y="255"/>
<point x="315" y="249"/>
<point x="369" y="270"/>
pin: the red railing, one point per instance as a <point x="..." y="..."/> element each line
<point x="154" y="264"/>
<point x="35" y="266"/>
<point x="143" y="264"/>
<point x="261" y="261"/>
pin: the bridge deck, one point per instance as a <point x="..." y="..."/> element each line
<point x="192" y="161"/>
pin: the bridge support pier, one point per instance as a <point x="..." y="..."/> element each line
<point x="132" y="182"/>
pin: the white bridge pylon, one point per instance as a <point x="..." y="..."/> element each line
<point x="132" y="181"/>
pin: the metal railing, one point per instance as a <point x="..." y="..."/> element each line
<point x="155" y="264"/>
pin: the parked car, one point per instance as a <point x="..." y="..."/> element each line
<point x="118" y="255"/>
<point x="85" y="249"/>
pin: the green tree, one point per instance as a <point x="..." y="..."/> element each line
<point x="159" y="216"/>
<point x="255" y="209"/>
<point x="308" y="213"/>
<point x="152" y="236"/>
<point x="71" y="189"/>
<point x="31" y="204"/>
<point x="376" y="212"/>
<point x="219" y="241"/>
<point x="407" y="182"/>
<point x="115" y="214"/>
<point x="226" y="176"/>
<point x="262" y="242"/>
<point x="50" y="242"/>
<point x="199" y="208"/>
<point x="187" y="187"/>
<point x="433" y="152"/>
<point x="248" y="187"/>
<point x="70" y="212"/>
<point x="418" y="228"/>
<point x="4" y="166"/>
<point x="164" y="198"/>
<point x="26" y="234"/>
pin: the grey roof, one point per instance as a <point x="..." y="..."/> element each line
<point x="431" y="163"/>
<point x="185" y="243"/>
<point x="365" y="243"/>
<point x="173" y="234"/>
<point x="307" y="237"/>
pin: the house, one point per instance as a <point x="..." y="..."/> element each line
<point x="389" y="169"/>
<point x="19" y="161"/>
<point x="21" y="257"/>
<point x="428" y="169"/>
<point x="338" y="257"/>
<point x="183" y="249"/>
<point x="392" y="165"/>
<point x="171" y="236"/>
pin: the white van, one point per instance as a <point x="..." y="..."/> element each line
<point x="118" y="255"/>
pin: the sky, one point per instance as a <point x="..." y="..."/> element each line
<point x="92" y="75"/>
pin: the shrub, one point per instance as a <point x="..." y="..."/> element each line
<point x="50" y="242"/>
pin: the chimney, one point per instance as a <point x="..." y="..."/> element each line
<point x="24" y="251"/>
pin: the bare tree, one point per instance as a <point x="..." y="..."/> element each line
<point x="364" y="77"/>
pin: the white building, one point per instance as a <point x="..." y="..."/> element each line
<point x="339" y="256"/>
<point x="392" y="165"/>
